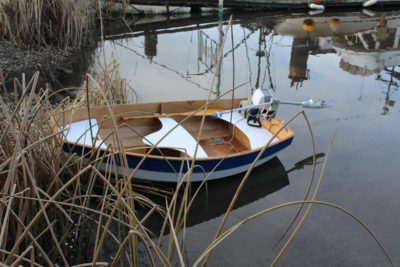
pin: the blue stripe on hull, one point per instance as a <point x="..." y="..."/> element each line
<point x="174" y="166"/>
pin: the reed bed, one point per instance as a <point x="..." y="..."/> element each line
<point x="40" y="23"/>
<point x="48" y="198"/>
<point x="57" y="208"/>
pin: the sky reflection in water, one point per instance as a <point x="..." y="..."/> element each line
<point x="351" y="60"/>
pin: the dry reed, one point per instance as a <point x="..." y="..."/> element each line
<point x="48" y="199"/>
<point x="46" y="22"/>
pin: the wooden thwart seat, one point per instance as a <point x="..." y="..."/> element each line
<point x="128" y="137"/>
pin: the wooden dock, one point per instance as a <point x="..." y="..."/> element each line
<point x="267" y="4"/>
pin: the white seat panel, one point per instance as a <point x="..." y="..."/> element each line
<point x="179" y="138"/>
<point x="79" y="132"/>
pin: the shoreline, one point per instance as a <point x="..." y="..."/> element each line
<point x="58" y="68"/>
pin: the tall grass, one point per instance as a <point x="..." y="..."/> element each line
<point x="46" y="22"/>
<point x="48" y="198"/>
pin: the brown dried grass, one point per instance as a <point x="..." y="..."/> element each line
<point x="46" y="22"/>
<point x="47" y="197"/>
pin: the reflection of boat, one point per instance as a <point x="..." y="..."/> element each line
<point x="330" y="25"/>
<point x="392" y="85"/>
<point x="370" y="51"/>
<point x="227" y="145"/>
<point x="366" y="45"/>
<point x="367" y="63"/>
<point x="213" y="199"/>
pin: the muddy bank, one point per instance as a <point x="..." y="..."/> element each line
<point x="58" y="68"/>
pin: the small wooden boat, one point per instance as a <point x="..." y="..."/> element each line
<point x="222" y="147"/>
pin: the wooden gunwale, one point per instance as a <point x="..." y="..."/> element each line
<point x="101" y="113"/>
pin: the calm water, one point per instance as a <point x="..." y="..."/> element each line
<point x="351" y="60"/>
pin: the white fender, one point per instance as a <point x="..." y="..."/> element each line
<point x="368" y="12"/>
<point x="369" y="3"/>
<point x="315" y="6"/>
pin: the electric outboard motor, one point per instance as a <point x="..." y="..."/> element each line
<point x="264" y="96"/>
<point x="263" y="106"/>
<point x="263" y="100"/>
<point x="261" y="96"/>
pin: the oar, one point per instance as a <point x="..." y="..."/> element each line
<point x="164" y="115"/>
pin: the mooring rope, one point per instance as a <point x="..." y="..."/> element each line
<point x="213" y="141"/>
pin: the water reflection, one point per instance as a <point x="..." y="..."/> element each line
<point x="214" y="197"/>
<point x="365" y="44"/>
<point x="150" y="44"/>
<point x="350" y="59"/>
<point x="306" y="162"/>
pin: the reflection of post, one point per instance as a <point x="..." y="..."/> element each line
<point x="199" y="50"/>
<point x="221" y="7"/>
<point x="207" y="51"/>
<point x="220" y="48"/>
<point x="299" y="55"/>
<point x="388" y="101"/>
<point x="150" y="44"/>
<point x="260" y="53"/>
<point x="298" y="61"/>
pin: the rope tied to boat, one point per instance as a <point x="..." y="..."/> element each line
<point x="213" y="141"/>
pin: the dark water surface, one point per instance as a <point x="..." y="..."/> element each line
<point x="351" y="60"/>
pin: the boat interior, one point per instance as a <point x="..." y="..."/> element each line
<point x="141" y="125"/>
